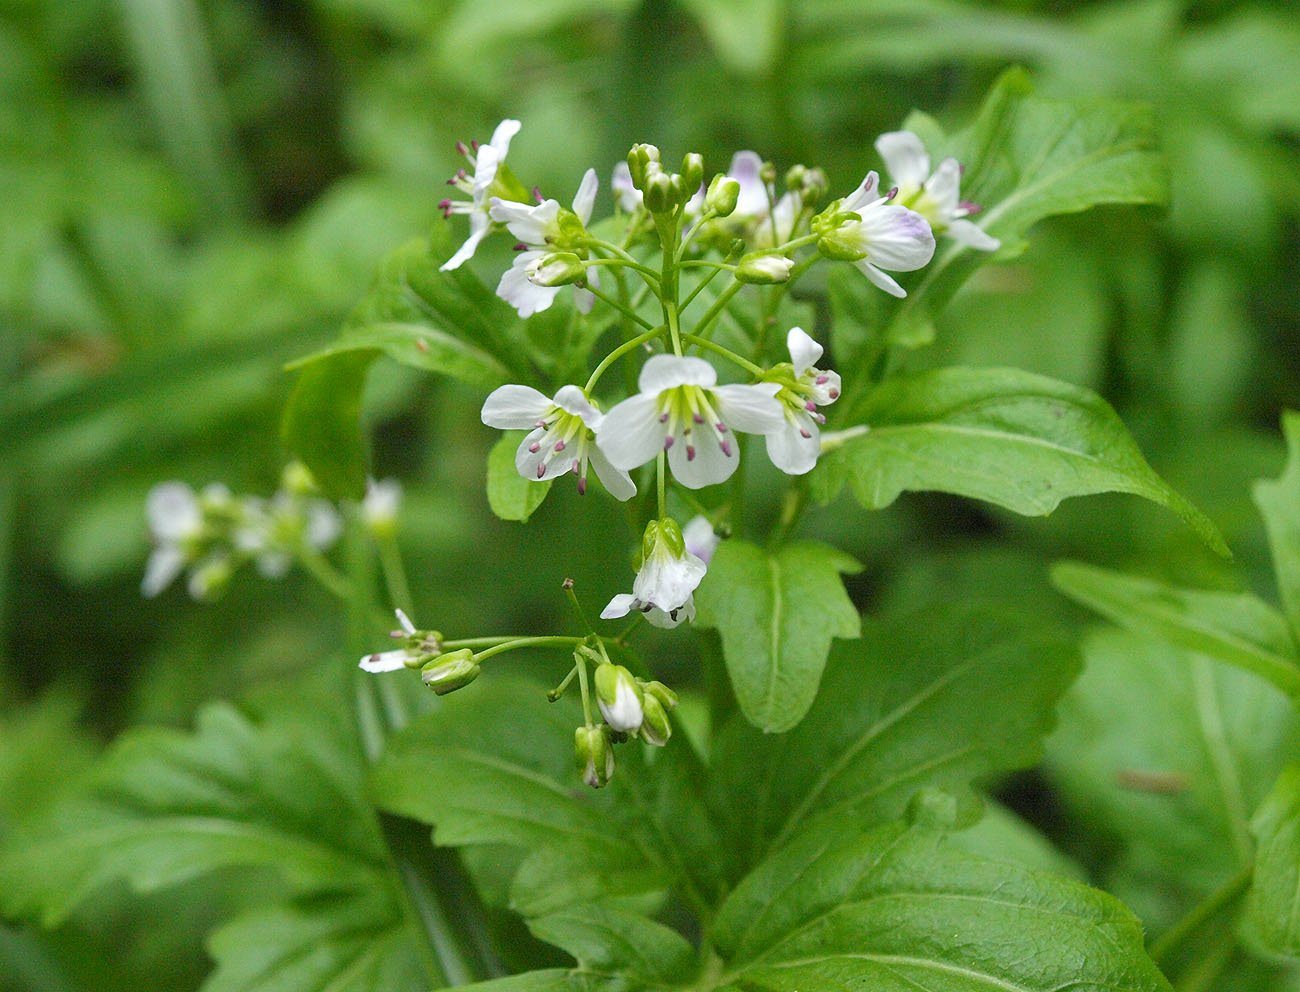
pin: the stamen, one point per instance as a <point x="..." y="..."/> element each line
<point x="726" y="448"/>
<point x="537" y="194"/>
<point x="970" y="208"/>
<point x="461" y="149"/>
<point x="690" y="453"/>
<point x="834" y="394"/>
<point x="535" y="447"/>
<point x="892" y="193"/>
<point x="722" y="428"/>
<point x="821" y="380"/>
<point x="520" y="246"/>
<point x="663" y="418"/>
<point x="474" y="145"/>
<point x="697" y="418"/>
<point x="541" y="470"/>
<point x="821" y="419"/>
<point x="810" y="406"/>
<point x="582" y="485"/>
<point x="559" y="445"/>
<point x="668" y="442"/>
<point x="805" y="432"/>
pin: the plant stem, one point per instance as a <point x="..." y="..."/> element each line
<point x="319" y="568"/>
<point x="627" y="312"/>
<point x="1199" y="915"/>
<point x="661" y="475"/>
<point x="726" y="353"/>
<point x="712" y="313"/>
<point x="528" y="642"/>
<point x="618" y="353"/>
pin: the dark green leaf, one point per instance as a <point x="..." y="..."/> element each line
<point x="549" y="980"/>
<point x="1279" y="503"/>
<point x="1237" y="628"/>
<point x="896" y="909"/>
<point x="511" y="496"/>
<point x="322" y="422"/>
<point x="937" y="698"/>
<point x="1013" y="438"/>
<point x="777" y="614"/>
<point x="612" y="941"/>
<point x="1273" y="905"/>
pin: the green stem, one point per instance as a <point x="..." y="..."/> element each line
<point x="319" y="568"/>
<point x="527" y="642"/>
<point x="661" y="476"/>
<point x="577" y="607"/>
<point x="1223" y="897"/>
<point x="581" y="662"/>
<point x="390" y="561"/>
<point x="618" y="353"/>
<point x="727" y="353"/>
<point x="618" y="305"/>
<point x="690" y="297"/>
<point x="622" y="263"/>
<point x="712" y="313"/>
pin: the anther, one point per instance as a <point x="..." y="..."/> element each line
<point x="537" y="194"/>
<point x="726" y="448"/>
<point x="668" y="442"/>
<point x="697" y="418"/>
<point x="821" y="380"/>
<point x="663" y="418"/>
<point x="810" y="406"/>
<point x="892" y="193"/>
<point x="690" y="453"/>
<point x="520" y="246"/>
<point x="582" y="486"/>
<point x="535" y="447"/>
<point x="473" y="144"/>
<point x="804" y="431"/>
<point x="461" y="149"/>
<point x="559" y="445"/>
<point x="541" y="470"/>
<point x="722" y="428"/>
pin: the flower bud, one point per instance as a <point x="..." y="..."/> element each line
<point x="296" y="479"/>
<point x="208" y="579"/>
<point x="559" y="268"/>
<point x="638" y="159"/>
<point x="692" y="171"/>
<point x="655" y="726"/>
<point x="660" y="197"/>
<point x="451" y="671"/>
<point x="667" y="698"/>
<point x="593" y="755"/>
<point x="722" y="195"/>
<point x="767" y="173"/>
<point x="764" y="268"/>
<point x="619" y="698"/>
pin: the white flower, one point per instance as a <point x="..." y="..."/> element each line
<point x="391" y="661"/>
<point x="883" y="235"/>
<point x="541" y="229"/>
<point x="176" y="523"/>
<point x="629" y="197"/>
<point x="560" y="437"/>
<point x="619" y="698"/>
<point x="936" y="197"/>
<point x="487" y="160"/>
<point x="700" y="538"/>
<point x="681" y="409"/>
<point x="666" y="580"/>
<point x="381" y="504"/>
<point x="794" y="447"/>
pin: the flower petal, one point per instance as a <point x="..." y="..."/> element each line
<point x="521" y="292"/>
<point x="972" y="235"/>
<point x="824" y="387"/>
<point x="506" y="130"/>
<point x="173" y="511"/>
<point x="880" y="279"/>
<point x="868" y="192"/>
<point x="572" y="399"/>
<point x="905" y="157"/>
<point x="789" y="450"/>
<point x="670" y="619"/>
<point x="585" y="198"/>
<point x="631" y="434"/>
<point x="666" y="580"/>
<point x="944" y="186"/>
<point x="662" y="372"/>
<point x="746" y="168"/>
<point x="531" y="225"/>
<point x="385" y="661"/>
<point x="616" y="481"/>
<point x="160" y="571"/>
<point x="704" y="464"/>
<point x="700" y="538"/>
<point x="752" y="409"/>
<point x="804" y="351"/>
<point x="897" y="238"/>
<point x="515" y="408"/>
<point x="620" y="606"/>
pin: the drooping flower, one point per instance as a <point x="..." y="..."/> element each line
<point x="794" y="447"/>
<point x="936" y="197"/>
<point x="682" y="410"/>
<point x="490" y="179"/>
<point x="560" y="437"/>
<point x="545" y="230"/>
<point x="619" y="698"/>
<point x="666" y="578"/>
<point x="874" y="234"/>
<point x="700" y="538"/>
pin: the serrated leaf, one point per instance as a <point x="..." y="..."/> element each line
<point x="937" y="698"/>
<point x="777" y="614"/>
<point x="896" y="909"/>
<point x="1236" y="628"/>
<point x="1272" y="917"/>
<point x="510" y="495"/>
<point x="1013" y="438"/>
<point x="1279" y="504"/>
<point x="1029" y="157"/>
<point x="611" y="941"/>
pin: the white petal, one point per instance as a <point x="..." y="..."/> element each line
<point x="905" y="157"/>
<point x="486" y="163"/>
<point x="619" y="606"/>
<point x="584" y="300"/>
<point x="387" y="661"/>
<point x="868" y="192"/>
<point x="667" y="581"/>
<point x="880" y="279"/>
<point x="789" y="450"/>
<point x="466" y="251"/>
<point x="707" y="466"/>
<point x="514" y="408"/>
<point x="662" y="372"/>
<point x="164" y="564"/>
<point x="274" y="564"/>
<point x="625" y="713"/>
<point x="173" y="511"/>
<point x="944" y="186"/>
<point x="700" y="538"/>
<point x="804" y="351"/>
<point x="585" y="198"/>
<point x="531" y="225"/>
<point x="324" y="525"/>
<point x="669" y="620"/>
<point x="383" y="500"/>
<point x="616" y="481"/>
<point x="404" y="621"/>
<point x="745" y="169"/>
<point x="521" y="292"/>
<point x="827" y="392"/>
<point x="751" y="409"/>
<point x="573" y="400"/>
<point x="629" y="197"/>
<point x="897" y="238"/>
<point x="506" y="130"/>
<point x="527" y="462"/>
<point x="972" y="235"/>
<point x="631" y="434"/>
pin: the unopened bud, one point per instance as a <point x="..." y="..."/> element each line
<point x="815" y="186"/>
<point x="593" y="755"/>
<point x="638" y="159"/>
<point x="296" y="479"/>
<point x="660" y="197"/>
<point x="764" y="269"/>
<point x="692" y="171"/>
<point x="722" y="195"/>
<point x="449" y="672"/>
<point x="667" y="698"/>
<point x="767" y="173"/>
<point x="619" y="698"/>
<point x="209" y="578"/>
<point x="656" y="728"/>
<point x="559" y="268"/>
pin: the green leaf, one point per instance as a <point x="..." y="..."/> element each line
<point x="322" y="422"/>
<point x="747" y="34"/>
<point x="547" y="980"/>
<point x="1272" y="917"/>
<point x="1237" y="628"/>
<point x="777" y="615"/>
<point x="1029" y="157"/>
<point x="511" y="496"/>
<point x="612" y="941"/>
<point x="1012" y="438"/>
<point x="937" y="698"/>
<point x="896" y="909"/>
<point x="1279" y="504"/>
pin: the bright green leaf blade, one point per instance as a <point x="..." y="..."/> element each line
<point x="165" y="807"/>
<point x="777" y="615"/>
<point x="1012" y="438"/>
<point x="612" y="941"/>
<point x="322" y="422"/>
<point x="548" y="980"/>
<point x="897" y="909"/>
<point x="511" y="496"/>
<point x="1237" y="628"/>
<point x="1279" y="504"/>
<point x="1272" y="918"/>
<point x="938" y="698"/>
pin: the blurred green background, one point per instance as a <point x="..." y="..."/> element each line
<point x="193" y="193"/>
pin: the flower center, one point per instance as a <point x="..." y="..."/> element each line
<point x="689" y="415"/>
<point x="566" y="436"/>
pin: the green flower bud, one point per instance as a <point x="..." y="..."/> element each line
<point x="667" y="698"/>
<point x="815" y="187"/>
<point x="638" y="159"/>
<point x="795" y="175"/>
<point x="296" y="479"/>
<point x="210" y="577"/>
<point x="736" y="249"/>
<point x="659" y="195"/>
<point x="671" y="534"/>
<point x="767" y="173"/>
<point x="692" y="171"/>
<point x="764" y="268"/>
<point x="656" y="728"/>
<point x="451" y="671"/>
<point x="722" y="195"/>
<point x="559" y="268"/>
<point x="619" y="698"/>
<point x="593" y="755"/>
